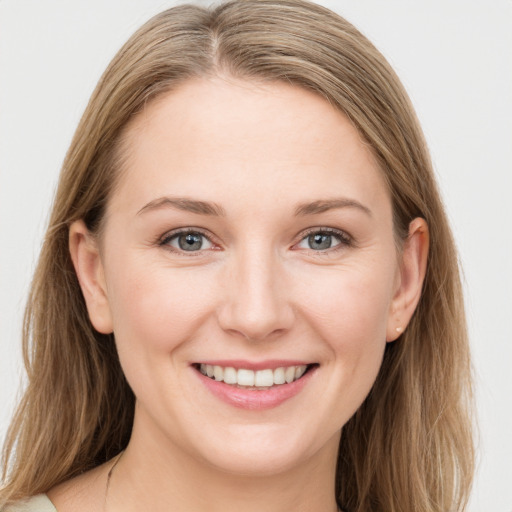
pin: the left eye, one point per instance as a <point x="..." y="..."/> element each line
<point x="320" y="241"/>
<point x="189" y="241"/>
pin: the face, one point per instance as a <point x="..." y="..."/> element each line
<point x="250" y="239"/>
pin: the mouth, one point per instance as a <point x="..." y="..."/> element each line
<point x="257" y="380"/>
<point x="255" y="386"/>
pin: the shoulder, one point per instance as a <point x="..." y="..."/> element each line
<point x="39" y="503"/>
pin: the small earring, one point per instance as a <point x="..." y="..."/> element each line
<point x="399" y="329"/>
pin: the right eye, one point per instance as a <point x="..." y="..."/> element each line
<point x="187" y="241"/>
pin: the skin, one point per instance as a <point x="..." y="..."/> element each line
<point x="257" y="290"/>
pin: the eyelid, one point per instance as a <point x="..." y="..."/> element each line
<point x="163" y="241"/>
<point x="346" y="240"/>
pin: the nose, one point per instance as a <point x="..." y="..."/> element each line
<point x="255" y="302"/>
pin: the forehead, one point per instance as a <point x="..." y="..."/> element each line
<point x="223" y="138"/>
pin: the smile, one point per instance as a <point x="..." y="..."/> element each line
<point x="264" y="386"/>
<point x="259" y="379"/>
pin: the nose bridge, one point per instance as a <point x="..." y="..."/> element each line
<point x="256" y="304"/>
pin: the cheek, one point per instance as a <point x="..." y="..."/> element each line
<point x="345" y="300"/>
<point x="351" y="323"/>
<point x="348" y="310"/>
<point x="156" y="308"/>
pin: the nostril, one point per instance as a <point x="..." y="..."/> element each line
<point x="256" y="307"/>
<point x="256" y="325"/>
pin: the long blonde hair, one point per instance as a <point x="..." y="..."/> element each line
<point x="409" y="446"/>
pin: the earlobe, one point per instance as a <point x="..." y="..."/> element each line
<point x="412" y="271"/>
<point x="85" y="255"/>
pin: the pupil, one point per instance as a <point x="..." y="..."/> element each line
<point x="320" y="241"/>
<point x="190" y="242"/>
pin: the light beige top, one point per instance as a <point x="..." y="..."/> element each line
<point x="39" y="503"/>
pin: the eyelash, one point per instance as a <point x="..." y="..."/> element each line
<point x="168" y="237"/>
<point x="344" y="239"/>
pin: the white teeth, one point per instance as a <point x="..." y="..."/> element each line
<point x="299" y="372"/>
<point x="289" y="374"/>
<point x="260" y="378"/>
<point x="230" y="375"/>
<point x="245" y="377"/>
<point x="279" y="377"/>
<point x="264" y="378"/>
<point x="218" y="373"/>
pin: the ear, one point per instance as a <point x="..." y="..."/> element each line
<point x="85" y="255"/>
<point x="411" y="275"/>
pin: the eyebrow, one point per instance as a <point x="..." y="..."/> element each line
<point x="329" y="204"/>
<point x="209" y="208"/>
<point x="184" y="204"/>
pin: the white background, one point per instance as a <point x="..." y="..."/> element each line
<point x="455" y="59"/>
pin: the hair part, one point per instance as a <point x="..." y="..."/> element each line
<point x="409" y="446"/>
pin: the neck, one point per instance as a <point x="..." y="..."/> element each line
<point x="155" y="474"/>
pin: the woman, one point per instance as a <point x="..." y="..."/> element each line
<point x="248" y="294"/>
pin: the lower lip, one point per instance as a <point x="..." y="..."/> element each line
<point x="253" y="399"/>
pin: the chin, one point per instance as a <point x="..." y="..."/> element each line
<point x="255" y="463"/>
<point x="265" y="450"/>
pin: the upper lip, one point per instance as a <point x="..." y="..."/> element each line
<point x="271" y="364"/>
